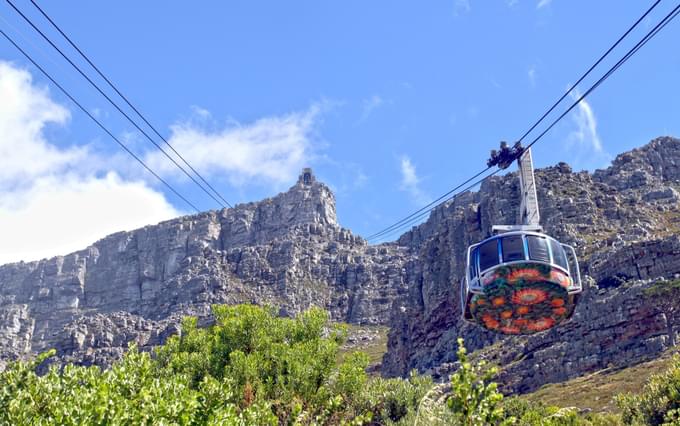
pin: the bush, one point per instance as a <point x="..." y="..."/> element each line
<point x="659" y="401"/>
<point x="475" y="399"/>
<point x="526" y="413"/>
<point x="250" y="368"/>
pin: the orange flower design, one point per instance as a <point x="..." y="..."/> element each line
<point x="560" y="311"/>
<point x="498" y="301"/>
<point x="529" y="296"/>
<point x="523" y="310"/>
<point x="541" y="324"/>
<point x="506" y="314"/>
<point x="561" y="278"/>
<point x="510" y="329"/>
<point x="492" y="324"/>
<point x="521" y="322"/>
<point x="557" y="302"/>
<point x="526" y="274"/>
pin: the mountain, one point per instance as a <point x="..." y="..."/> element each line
<point x="287" y="251"/>
<point x="623" y="222"/>
<point x="290" y="252"/>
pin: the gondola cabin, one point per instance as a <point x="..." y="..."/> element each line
<point x="520" y="283"/>
<point x="520" y="280"/>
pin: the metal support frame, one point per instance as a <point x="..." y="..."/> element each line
<point x="528" y="207"/>
<point x="529" y="215"/>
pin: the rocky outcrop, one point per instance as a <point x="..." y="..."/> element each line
<point x="289" y="251"/>
<point x="622" y="221"/>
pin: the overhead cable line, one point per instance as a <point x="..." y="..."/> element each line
<point x="101" y="74"/>
<point x="424" y="214"/>
<point x="653" y="32"/>
<point x="592" y="67"/>
<point x="114" y="104"/>
<point x="65" y="92"/>
<point x="667" y="19"/>
<point x="436" y="202"/>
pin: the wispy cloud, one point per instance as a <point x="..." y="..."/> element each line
<point x="410" y="182"/>
<point x="461" y="6"/>
<point x="55" y="199"/>
<point x="531" y="73"/>
<point x="369" y="105"/>
<point x="511" y="3"/>
<point x="586" y="125"/>
<point x="583" y="143"/>
<point x="543" y="3"/>
<point x="473" y="112"/>
<point x="270" y="150"/>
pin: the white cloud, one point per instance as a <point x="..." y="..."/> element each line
<point x="511" y="3"/>
<point x="24" y="111"/>
<point x="271" y="150"/>
<point x="586" y="125"/>
<point x="461" y="6"/>
<point x="62" y="214"/>
<point x="56" y="200"/>
<point x="583" y="144"/>
<point x="531" y="73"/>
<point x="543" y="3"/>
<point x="370" y="105"/>
<point x="410" y="182"/>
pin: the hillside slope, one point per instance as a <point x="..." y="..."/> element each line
<point x="623" y="221"/>
<point x="289" y="251"/>
<point x="286" y="251"/>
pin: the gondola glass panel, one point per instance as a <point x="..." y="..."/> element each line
<point x="538" y="248"/>
<point x="488" y="255"/>
<point x="513" y="248"/>
<point x="558" y="254"/>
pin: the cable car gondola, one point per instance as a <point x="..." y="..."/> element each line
<point x="520" y="280"/>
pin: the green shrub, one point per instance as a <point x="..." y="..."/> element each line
<point x="475" y="399"/>
<point x="526" y="413"/>
<point x="250" y="368"/>
<point x="659" y="401"/>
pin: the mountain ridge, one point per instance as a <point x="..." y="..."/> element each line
<point x="290" y="251"/>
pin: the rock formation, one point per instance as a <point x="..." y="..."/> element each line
<point x="623" y="222"/>
<point x="289" y="251"/>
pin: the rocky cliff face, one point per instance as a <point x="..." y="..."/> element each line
<point x="290" y="252"/>
<point x="287" y="251"/>
<point x="623" y="222"/>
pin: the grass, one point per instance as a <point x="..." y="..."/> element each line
<point x="597" y="390"/>
<point x="375" y="348"/>
<point x="670" y="221"/>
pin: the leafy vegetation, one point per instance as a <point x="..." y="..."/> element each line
<point x="474" y="399"/>
<point x="659" y="401"/>
<point x="253" y="368"/>
<point x="666" y="295"/>
<point x="250" y="368"/>
<point x="597" y="391"/>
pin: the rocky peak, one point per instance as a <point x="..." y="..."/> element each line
<point x="653" y="163"/>
<point x="623" y="222"/>
<point x="288" y="251"/>
<point x="308" y="202"/>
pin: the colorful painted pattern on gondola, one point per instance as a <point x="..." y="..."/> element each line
<point x="523" y="298"/>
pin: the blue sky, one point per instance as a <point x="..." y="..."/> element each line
<point x="391" y="102"/>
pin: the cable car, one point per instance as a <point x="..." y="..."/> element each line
<point x="520" y="280"/>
